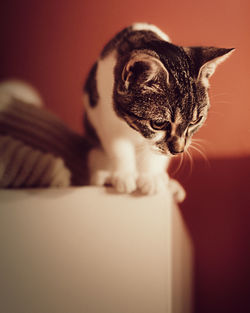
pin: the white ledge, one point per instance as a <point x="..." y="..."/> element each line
<point x="88" y="250"/>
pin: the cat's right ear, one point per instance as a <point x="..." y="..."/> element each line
<point x="142" y="68"/>
<point x="206" y="59"/>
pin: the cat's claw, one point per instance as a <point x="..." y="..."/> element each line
<point x="177" y="190"/>
<point x="150" y="184"/>
<point x="123" y="182"/>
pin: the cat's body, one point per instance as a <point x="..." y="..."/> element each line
<point x="144" y="98"/>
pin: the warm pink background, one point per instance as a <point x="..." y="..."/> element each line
<point x="52" y="44"/>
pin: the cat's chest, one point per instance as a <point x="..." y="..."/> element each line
<point x="109" y="126"/>
<point x="103" y="116"/>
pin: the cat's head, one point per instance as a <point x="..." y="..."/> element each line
<point x="162" y="92"/>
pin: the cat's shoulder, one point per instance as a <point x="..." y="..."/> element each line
<point x="152" y="28"/>
<point x="132" y="37"/>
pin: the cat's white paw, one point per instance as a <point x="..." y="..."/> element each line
<point x="177" y="190"/>
<point x="150" y="184"/>
<point x="123" y="182"/>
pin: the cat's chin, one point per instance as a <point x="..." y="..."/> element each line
<point x="166" y="153"/>
<point x="158" y="151"/>
<point x="176" y="154"/>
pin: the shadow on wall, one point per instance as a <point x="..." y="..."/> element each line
<point x="217" y="212"/>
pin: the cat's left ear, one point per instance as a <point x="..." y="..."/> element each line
<point x="206" y="59"/>
<point x="142" y="68"/>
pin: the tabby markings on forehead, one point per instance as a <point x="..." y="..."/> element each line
<point x="153" y="88"/>
<point x="177" y="121"/>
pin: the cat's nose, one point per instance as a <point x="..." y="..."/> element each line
<point x="175" y="150"/>
<point x="176" y="146"/>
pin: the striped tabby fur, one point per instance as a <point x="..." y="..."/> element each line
<point x="145" y="97"/>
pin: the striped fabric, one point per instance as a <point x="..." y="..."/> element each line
<point x="37" y="149"/>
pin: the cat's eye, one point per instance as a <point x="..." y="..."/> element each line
<point x="196" y="121"/>
<point x="159" y="125"/>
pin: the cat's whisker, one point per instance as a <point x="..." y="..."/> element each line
<point x="197" y="146"/>
<point x="190" y="162"/>
<point x="179" y="164"/>
<point x="200" y="152"/>
<point x="217" y="113"/>
<point x="199" y="141"/>
<point x="221" y="102"/>
<point x="219" y="95"/>
<point x="218" y="99"/>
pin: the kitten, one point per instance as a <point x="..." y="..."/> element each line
<point x="145" y="98"/>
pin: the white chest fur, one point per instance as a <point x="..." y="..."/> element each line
<point x="103" y="117"/>
<point x="126" y="159"/>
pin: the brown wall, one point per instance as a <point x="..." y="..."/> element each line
<point x="52" y="44"/>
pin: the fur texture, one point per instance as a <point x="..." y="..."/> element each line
<point x="145" y="97"/>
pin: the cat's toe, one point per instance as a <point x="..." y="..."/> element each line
<point x="123" y="182"/>
<point x="150" y="184"/>
<point x="177" y="190"/>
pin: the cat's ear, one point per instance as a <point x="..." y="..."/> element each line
<point x="206" y="59"/>
<point x="142" y="68"/>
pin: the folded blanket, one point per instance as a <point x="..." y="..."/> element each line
<point x="23" y="166"/>
<point x="36" y="148"/>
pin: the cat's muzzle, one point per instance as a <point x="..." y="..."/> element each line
<point x="176" y="145"/>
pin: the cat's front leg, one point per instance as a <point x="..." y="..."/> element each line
<point x="99" y="167"/>
<point x="153" y="177"/>
<point x="123" y="165"/>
